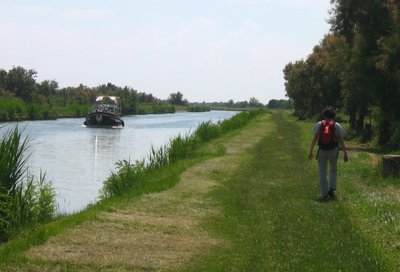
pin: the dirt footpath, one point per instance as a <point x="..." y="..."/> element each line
<point x="160" y="231"/>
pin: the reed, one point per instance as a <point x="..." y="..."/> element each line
<point x="198" y="108"/>
<point x="72" y="110"/>
<point x="24" y="199"/>
<point x="179" y="148"/>
<point x="155" y="109"/>
<point x="207" y="131"/>
<point x="182" y="147"/>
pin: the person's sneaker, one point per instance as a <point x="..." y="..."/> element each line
<point x="332" y="194"/>
<point x="323" y="198"/>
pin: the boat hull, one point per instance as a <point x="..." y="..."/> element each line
<point x="103" y="119"/>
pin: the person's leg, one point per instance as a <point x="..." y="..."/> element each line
<point x="333" y="160"/>
<point x="322" y="171"/>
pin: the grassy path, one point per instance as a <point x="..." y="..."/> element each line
<point x="253" y="209"/>
<point x="271" y="215"/>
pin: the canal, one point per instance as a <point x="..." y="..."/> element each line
<point x="77" y="159"/>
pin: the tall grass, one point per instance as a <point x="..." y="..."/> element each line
<point x="72" y="110"/>
<point x="198" y="108"/>
<point x="24" y="199"/>
<point x="155" y="109"/>
<point x="12" y="109"/>
<point x="15" y="109"/>
<point x="179" y="148"/>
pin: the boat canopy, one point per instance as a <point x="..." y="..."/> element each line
<point x="100" y="98"/>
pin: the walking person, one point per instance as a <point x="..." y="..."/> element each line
<point x="329" y="136"/>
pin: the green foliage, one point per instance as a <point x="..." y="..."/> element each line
<point x="177" y="99"/>
<point x="32" y="202"/>
<point x="21" y="98"/>
<point x="155" y="108"/>
<point x="13" y="160"/>
<point x="280" y="104"/>
<point x="207" y="131"/>
<point x="24" y="200"/>
<point x="15" y="109"/>
<point x="126" y="177"/>
<point x="314" y="83"/>
<point x="181" y="147"/>
<point x="22" y="82"/>
<point x="12" y="109"/>
<point x="355" y="68"/>
<point x="394" y="142"/>
<point x="198" y="108"/>
<point x="270" y="219"/>
<point x="73" y="110"/>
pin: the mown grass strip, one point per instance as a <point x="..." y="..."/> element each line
<point x="156" y="181"/>
<point x="272" y="218"/>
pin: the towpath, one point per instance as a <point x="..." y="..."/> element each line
<point x="252" y="209"/>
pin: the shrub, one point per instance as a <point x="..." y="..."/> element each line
<point x="181" y="147"/>
<point x="124" y="179"/>
<point x="207" y="131"/>
<point x="24" y="200"/>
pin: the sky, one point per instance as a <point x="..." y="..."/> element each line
<point x="209" y="50"/>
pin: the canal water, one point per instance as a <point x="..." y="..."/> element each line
<point x="77" y="159"/>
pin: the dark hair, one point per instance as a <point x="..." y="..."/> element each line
<point x="329" y="112"/>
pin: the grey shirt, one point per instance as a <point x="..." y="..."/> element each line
<point x="338" y="128"/>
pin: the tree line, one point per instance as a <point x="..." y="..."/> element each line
<point x="22" y="97"/>
<point x="354" y="68"/>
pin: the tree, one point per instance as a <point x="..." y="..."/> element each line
<point x="279" y="104"/>
<point x="253" y="102"/>
<point x="3" y="79"/>
<point x="46" y="89"/>
<point x="297" y="86"/>
<point x="177" y="99"/>
<point x="388" y="64"/>
<point x="363" y="24"/>
<point x="22" y="83"/>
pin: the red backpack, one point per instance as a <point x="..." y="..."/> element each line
<point x="327" y="139"/>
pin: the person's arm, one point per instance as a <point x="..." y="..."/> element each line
<point x="313" y="143"/>
<point x="343" y="146"/>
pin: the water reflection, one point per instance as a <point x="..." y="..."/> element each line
<point x="104" y="147"/>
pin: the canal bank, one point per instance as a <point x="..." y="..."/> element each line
<point x="77" y="160"/>
<point x="252" y="208"/>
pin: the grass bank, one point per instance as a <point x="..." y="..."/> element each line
<point x="160" y="172"/>
<point x="251" y="207"/>
<point x="272" y="222"/>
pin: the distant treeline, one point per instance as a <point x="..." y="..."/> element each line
<point x="22" y="98"/>
<point x="355" y="68"/>
<point x="280" y="104"/>
<point x="251" y="104"/>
